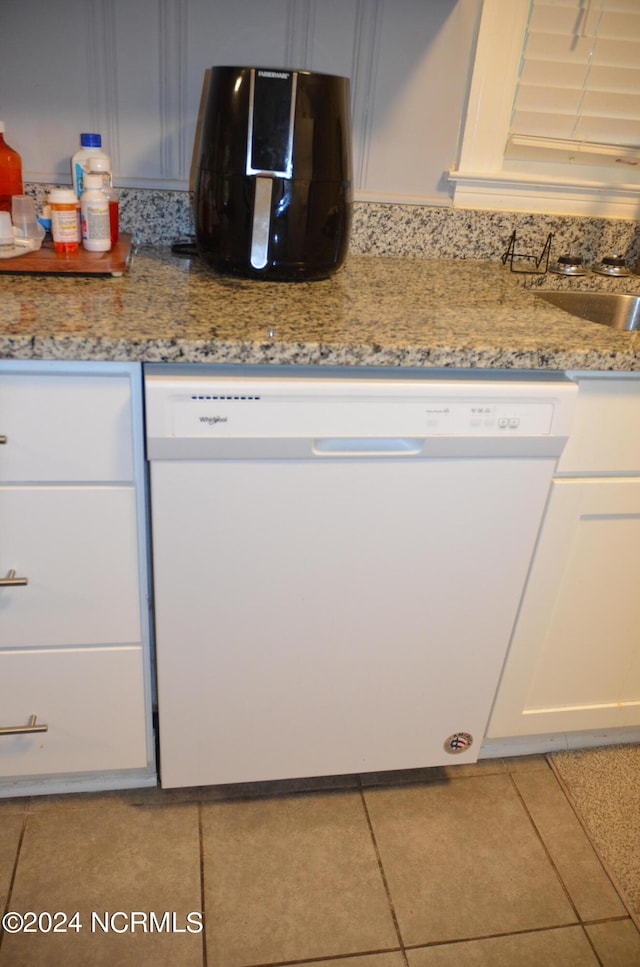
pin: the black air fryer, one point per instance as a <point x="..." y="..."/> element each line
<point x="273" y="181"/>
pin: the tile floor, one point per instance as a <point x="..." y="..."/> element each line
<point x="479" y="866"/>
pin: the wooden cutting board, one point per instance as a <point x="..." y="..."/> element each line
<point x="47" y="262"/>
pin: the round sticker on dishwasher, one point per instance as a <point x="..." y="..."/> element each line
<point x="458" y="742"/>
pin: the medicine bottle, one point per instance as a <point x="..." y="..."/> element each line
<point x="90" y="147"/>
<point x="94" y="215"/>
<point x="65" y="220"/>
<point x="97" y="165"/>
<point x="10" y="173"/>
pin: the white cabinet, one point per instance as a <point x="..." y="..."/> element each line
<point x="91" y="700"/>
<point x="574" y="659"/>
<point x="74" y="628"/>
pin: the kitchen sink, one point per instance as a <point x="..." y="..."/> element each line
<point x="611" y="309"/>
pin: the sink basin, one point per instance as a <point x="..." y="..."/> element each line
<point x="607" y="308"/>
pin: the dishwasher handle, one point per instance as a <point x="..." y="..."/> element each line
<point x="367" y="447"/>
<point x="355" y="447"/>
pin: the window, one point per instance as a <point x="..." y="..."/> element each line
<point x="553" y="122"/>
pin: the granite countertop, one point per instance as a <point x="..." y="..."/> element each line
<point x="378" y="311"/>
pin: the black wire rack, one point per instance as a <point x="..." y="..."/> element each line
<point x="525" y="262"/>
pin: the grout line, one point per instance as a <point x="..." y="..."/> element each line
<point x="14" y="871"/>
<point x="202" y="889"/>
<point x="523" y="932"/>
<point x="580" y="921"/>
<point x="546" y="849"/>
<point x="585" y="933"/>
<point x="509" y="933"/>
<point x="384" y="876"/>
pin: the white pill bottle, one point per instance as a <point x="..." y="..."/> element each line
<point x="90" y="147"/>
<point x="94" y="215"/>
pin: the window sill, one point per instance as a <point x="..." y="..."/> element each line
<point x="557" y="195"/>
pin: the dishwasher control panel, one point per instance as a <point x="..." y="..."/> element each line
<point x="269" y="415"/>
<point x="415" y="413"/>
<point x="475" y="418"/>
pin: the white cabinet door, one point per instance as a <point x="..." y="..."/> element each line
<point x="65" y="427"/>
<point x="91" y="701"/>
<point x="574" y="661"/>
<point x="77" y="547"/>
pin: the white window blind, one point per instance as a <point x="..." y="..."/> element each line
<point x="578" y="92"/>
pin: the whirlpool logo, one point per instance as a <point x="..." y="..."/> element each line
<point x="212" y="420"/>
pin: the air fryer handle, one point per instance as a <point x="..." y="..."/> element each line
<point x="261" y="222"/>
<point x="272" y="106"/>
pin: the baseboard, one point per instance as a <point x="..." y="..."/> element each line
<point x="556" y="742"/>
<point x="86" y="782"/>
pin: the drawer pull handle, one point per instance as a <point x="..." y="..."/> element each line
<point x="3" y="439"/>
<point x="24" y="729"/>
<point x="11" y="581"/>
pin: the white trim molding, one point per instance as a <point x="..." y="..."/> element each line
<point x="494" y="79"/>
<point x="507" y="192"/>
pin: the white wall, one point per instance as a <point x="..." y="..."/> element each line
<point x="133" y="70"/>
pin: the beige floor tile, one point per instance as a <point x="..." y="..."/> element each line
<point x="146" y="796"/>
<point x="13" y="804"/>
<point x="617" y="943"/>
<point x="292" y="878"/>
<point x="526" y="763"/>
<point x="114" y="859"/>
<point x="433" y="774"/>
<point x="10" y="830"/>
<point x="403" y="777"/>
<point x="567" y="947"/>
<point x="462" y="860"/>
<point x="483" y="767"/>
<point x="277" y="787"/>
<point x="582" y="874"/>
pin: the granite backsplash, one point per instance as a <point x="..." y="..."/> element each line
<point x="160" y="217"/>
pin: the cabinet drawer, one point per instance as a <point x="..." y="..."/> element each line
<point x="77" y="547"/>
<point x="92" y="701"/>
<point x="65" y="428"/>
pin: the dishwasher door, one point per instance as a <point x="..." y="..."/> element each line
<point x="344" y="612"/>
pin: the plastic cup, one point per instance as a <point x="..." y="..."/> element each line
<point x="23" y="210"/>
<point x="23" y="216"/>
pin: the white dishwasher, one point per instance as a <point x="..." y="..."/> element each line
<point x="338" y="558"/>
